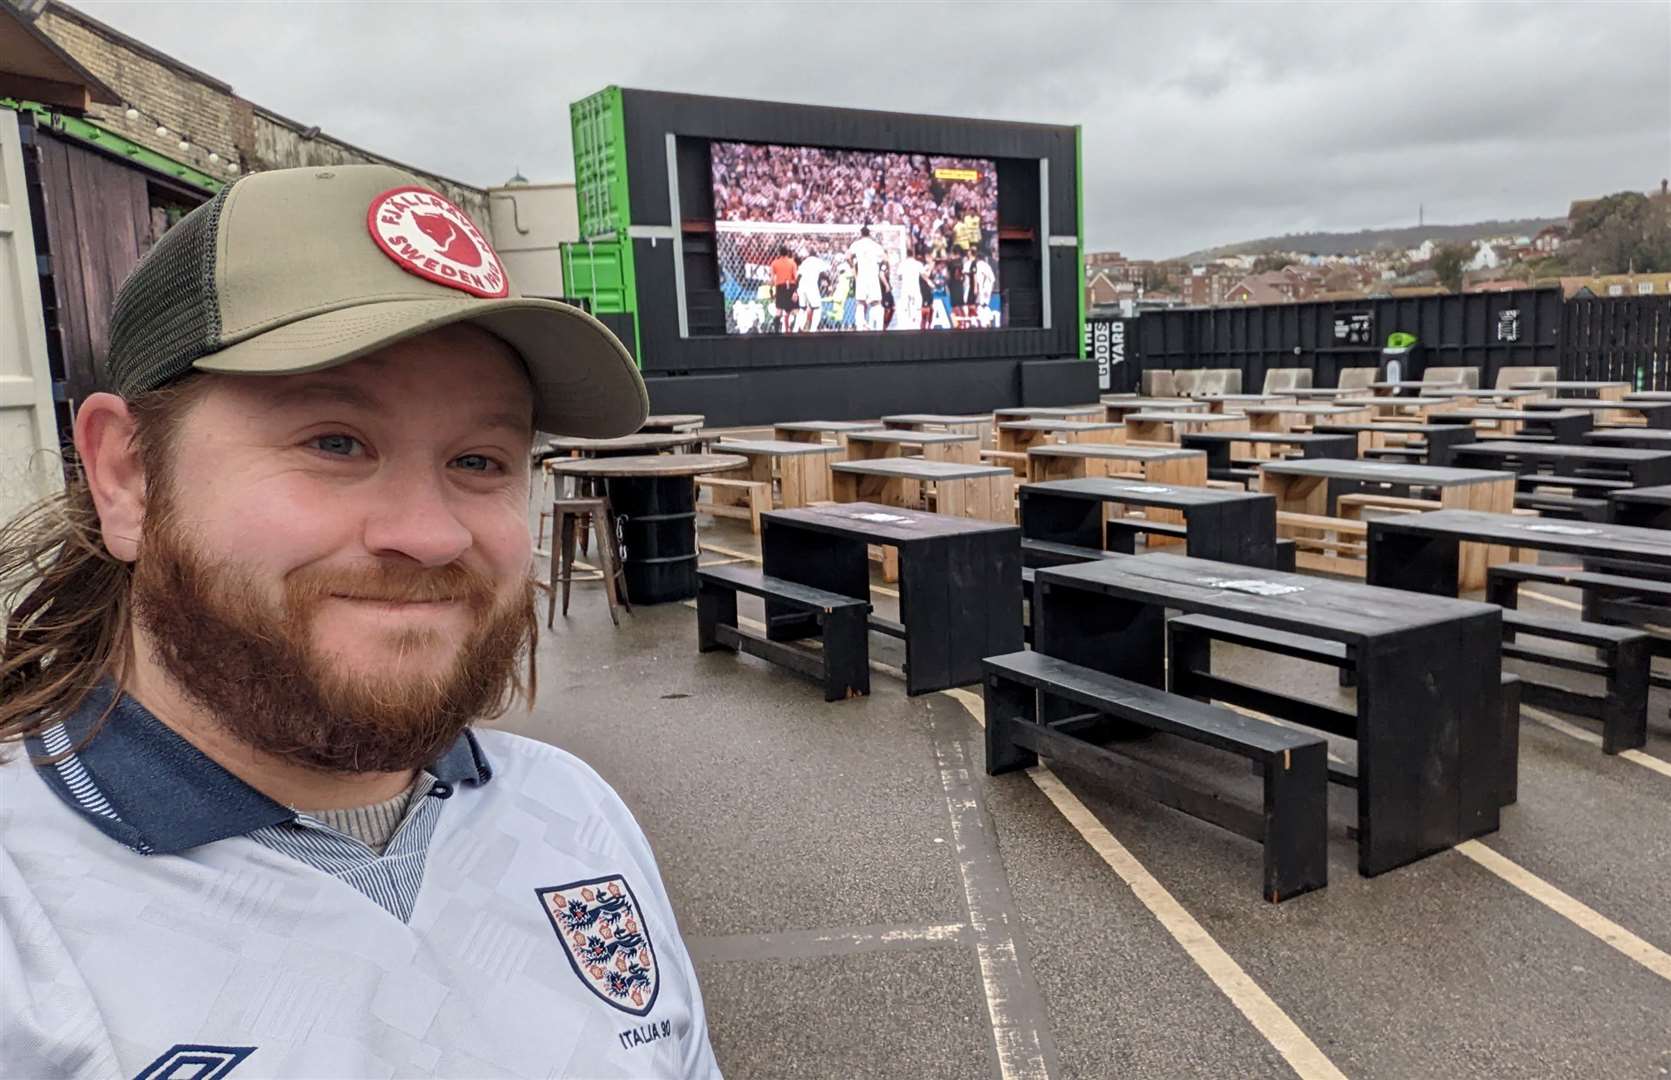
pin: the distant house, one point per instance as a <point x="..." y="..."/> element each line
<point x="1423" y="252"/>
<point x="1101" y="290"/>
<point x="1485" y="258"/>
<point x="1272" y="287"/>
<point x="1549" y="239"/>
<point x="1616" y="285"/>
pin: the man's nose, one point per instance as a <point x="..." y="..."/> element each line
<point x="413" y="515"/>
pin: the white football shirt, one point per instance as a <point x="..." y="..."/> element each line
<point x="160" y="919"/>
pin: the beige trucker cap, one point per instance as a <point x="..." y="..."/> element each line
<point x="302" y="269"/>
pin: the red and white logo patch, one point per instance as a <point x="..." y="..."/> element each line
<point x="430" y="237"/>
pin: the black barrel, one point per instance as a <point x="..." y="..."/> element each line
<point x="655" y="517"/>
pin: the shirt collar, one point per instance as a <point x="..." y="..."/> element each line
<point x="168" y="795"/>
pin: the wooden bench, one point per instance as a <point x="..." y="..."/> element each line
<point x="1042" y="553"/>
<point x="1532" y="481"/>
<point x="736" y="498"/>
<point x="1325" y="553"/>
<point x="1189" y="647"/>
<point x="843" y="664"/>
<point x="1357" y="503"/>
<point x="1572" y="507"/>
<point x="1608" y="598"/>
<point x="1621" y="660"/>
<point x="1026" y="691"/>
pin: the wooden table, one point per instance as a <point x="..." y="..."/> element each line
<point x="1400" y="407"/>
<point x="1219" y="445"/>
<point x="814" y="430"/>
<point x="1322" y="393"/>
<point x="1164" y="427"/>
<point x="959" y="580"/>
<point x="1646" y="507"/>
<point x="1093" y="412"/>
<point x="1415" y="384"/>
<point x="1116" y="411"/>
<point x="977" y="491"/>
<point x="1466" y="394"/>
<point x="1298" y="417"/>
<point x="624" y="446"/>
<point x="1311" y="488"/>
<point x="978" y="424"/>
<point x="1604" y="391"/>
<point x="930" y="445"/>
<point x="1233" y="526"/>
<point x="1152" y="463"/>
<point x="1428" y="718"/>
<point x="653" y="501"/>
<point x="802" y="469"/>
<point x="1397" y="440"/>
<point x="1644" y="468"/>
<point x="1654" y="414"/>
<point x="1648" y="395"/>
<point x="1560" y="425"/>
<point x="1018" y="436"/>
<point x="1235" y="402"/>
<point x="671" y="423"/>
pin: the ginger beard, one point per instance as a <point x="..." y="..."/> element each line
<point x="253" y="666"/>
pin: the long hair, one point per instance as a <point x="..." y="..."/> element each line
<point x="67" y="600"/>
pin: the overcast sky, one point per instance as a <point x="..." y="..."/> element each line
<point x="1202" y="124"/>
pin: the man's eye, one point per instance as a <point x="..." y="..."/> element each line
<point x="476" y="463"/>
<point x="341" y="445"/>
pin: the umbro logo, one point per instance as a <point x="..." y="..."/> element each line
<point x="190" y="1061"/>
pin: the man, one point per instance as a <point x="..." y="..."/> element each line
<point x="986" y="280"/>
<point x="966" y="234"/>
<point x="245" y="824"/>
<point x="809" y="297"/>
<point x="866" y="255"/>
<point x="783" y="288"/>
<point x="911" y="285"/>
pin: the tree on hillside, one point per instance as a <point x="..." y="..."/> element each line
<point x="1272" y="261"/>
<point x="1620" y="233"/>
<point x="1448" y="262"/>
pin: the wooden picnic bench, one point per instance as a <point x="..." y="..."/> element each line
<point x="1165" y="426"/>
<point x="977" y="491"/>
<point x="814" y="431"/>
<point x="1220" y="445"/>
<point x="842" y="664"/>
<point x="929" y="445"/>
<point x="1230" y="526"/>
<point x="1418" y="444"/>
<point x="1156" y="464"/>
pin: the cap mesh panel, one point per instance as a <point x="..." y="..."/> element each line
<point x="167" y="312"/>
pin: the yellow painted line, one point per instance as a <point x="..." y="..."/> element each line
<point x="1635" y="757"/>
<point x="1573" y="910"/>
<point x="1296" y="1048"/>
<point x="717" y="550"/>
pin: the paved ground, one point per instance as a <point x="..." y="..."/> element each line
<point x="863" y="901"/>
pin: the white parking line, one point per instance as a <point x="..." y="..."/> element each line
<point x="1296" y="1048"/>
<point x="1635" y="757"/>
<point x="1575" y="911"/>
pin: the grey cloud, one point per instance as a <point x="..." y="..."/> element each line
<point x="1203" y="123"/>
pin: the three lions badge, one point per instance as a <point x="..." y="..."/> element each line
<point x="602" y="930"/>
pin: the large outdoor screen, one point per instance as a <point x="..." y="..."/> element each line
<point x="815" y="241"/>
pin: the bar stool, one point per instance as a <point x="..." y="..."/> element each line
<point x="570" y="517"/>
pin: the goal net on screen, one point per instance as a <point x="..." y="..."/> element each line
<point x="746" y="250"/>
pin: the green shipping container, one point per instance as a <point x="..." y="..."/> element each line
<point x="600" y="267"/>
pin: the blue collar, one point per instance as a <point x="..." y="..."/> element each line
<point x="150" y="789"/>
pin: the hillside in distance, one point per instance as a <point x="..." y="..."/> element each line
<point x="1345" y="243"/>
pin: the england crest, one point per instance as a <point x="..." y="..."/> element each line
<point x="604" y="936"/>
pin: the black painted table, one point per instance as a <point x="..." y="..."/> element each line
<point x="1418" y="551"/>
<point x="959" y="580"/>
<point x="1562" y="425"/>
<point x="1635" y="438"/>
<point x="1231" y="526"/>
<point x="1647" y="507"/>
<point x="1438" y="440"/>
<point x="1644" y="468"/>
<point x="1217" y="446"/>
<point x="1428" y="720"/>
<point x="1654" y="414"/>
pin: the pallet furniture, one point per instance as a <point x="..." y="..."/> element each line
<point x="959" y="580"/>
<point x="929" y="445"/>
<point x="1428" y="718"/>
<point x="1331" y="544"/>
<point x="1641" y="468"/>
<point x="653" y="499"/>
<point x="1019" y="436"/>
<point x="1501" y="398"/>
<point x="735" y="498"/>
<point x="1419" y="444"/>
<point x="1116" y="411"/>
<point x="978" y="425"/>
<point x="1039" y="705"/>
<point x="1157" y="464"/>
<point x="842" y="664"/>
<point x="1402" y="408"/>
<point x="802" y="470"/>
<point x="1304" y="417"/>
<point x="643" y="443"/>
<point x="1220" y="403"/>
<point x="1166" y="426"/>
<point x="1220" y="445"/>
<point x="1416" y="385"/>
<point x="1229" y="526"/>
<point x="977" y="491"/>
<point x="1090" y="413"/>
<point x="814" y="431"/>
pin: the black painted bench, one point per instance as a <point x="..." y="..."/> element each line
<point x="1189" y="671"/>
<point x="842" y="665"/>
<point x="1621" y="660"/>
<point x="1572" y="507"/>
<point x="1530" y="481"/>
<point x="1045" y="553"/>
<point x="1024" y="691"/>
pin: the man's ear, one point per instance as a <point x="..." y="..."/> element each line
<point x="109" y="454"/>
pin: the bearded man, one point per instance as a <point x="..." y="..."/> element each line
<point x="246" y="825"/>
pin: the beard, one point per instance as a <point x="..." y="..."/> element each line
<point x="253" y="667"/>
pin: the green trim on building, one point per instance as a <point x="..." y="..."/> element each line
<point x="109" y="141"/>
<point x="1079" y="229"/>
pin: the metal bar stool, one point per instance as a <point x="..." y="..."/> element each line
<point x="569" y="520"/>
